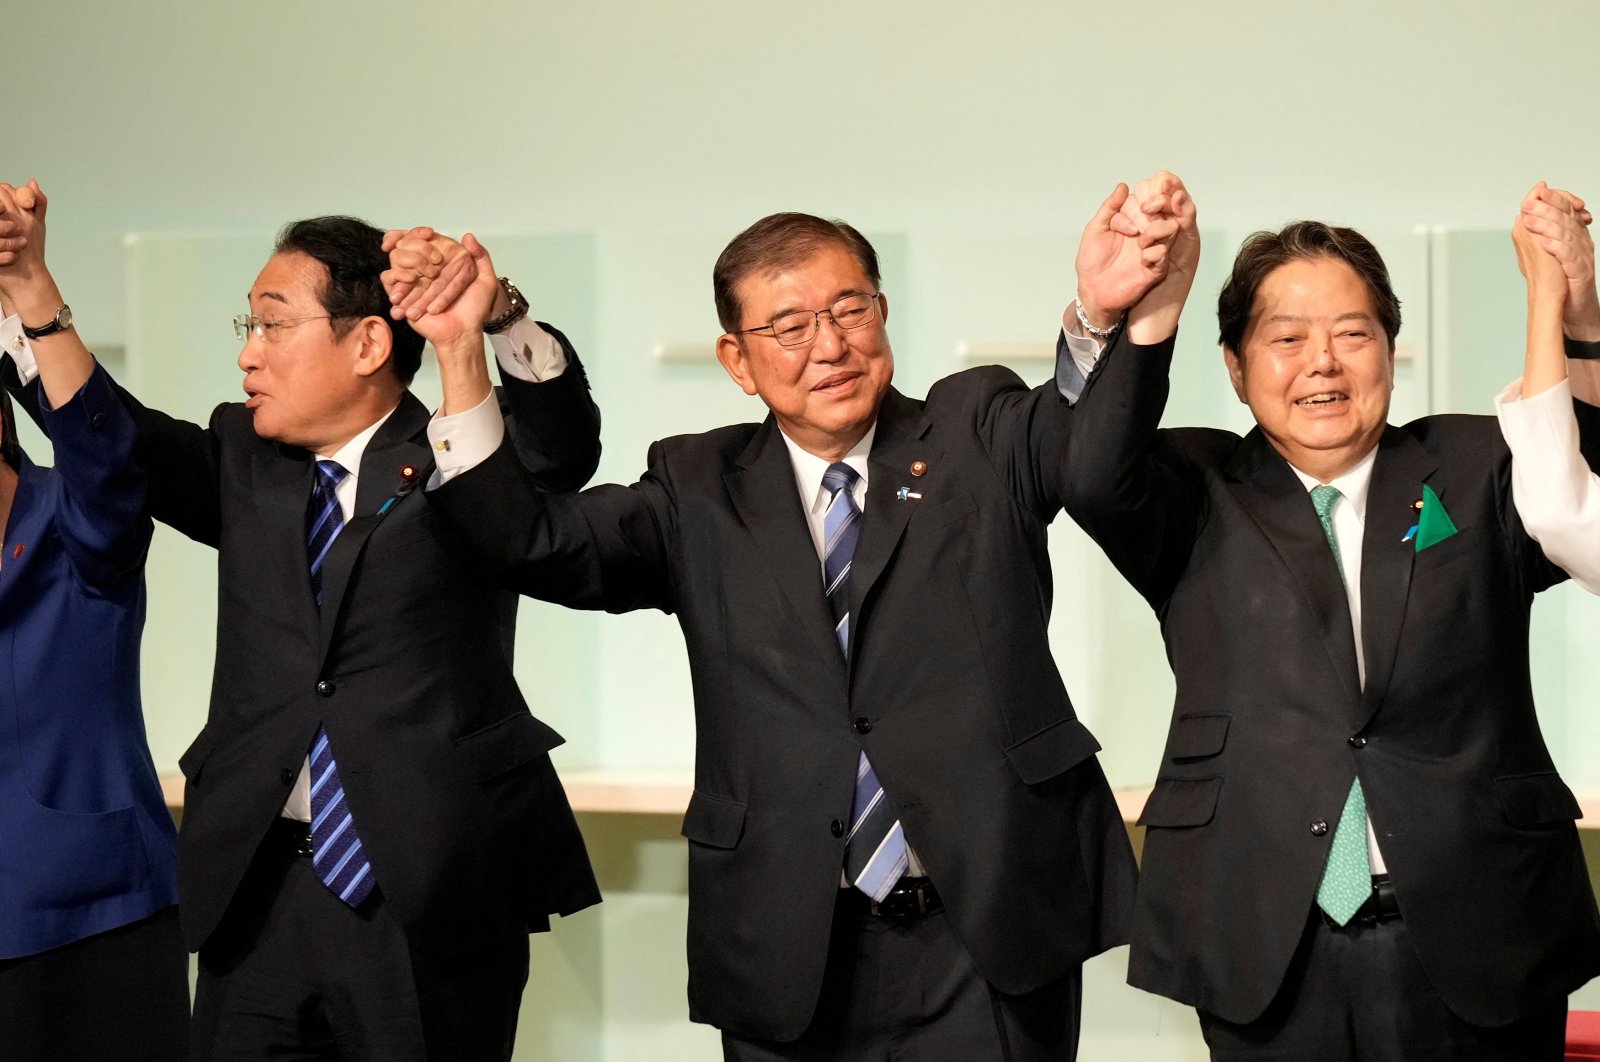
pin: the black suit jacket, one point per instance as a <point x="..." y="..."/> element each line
<point x="1272" y="723"/>
<point x="950" y="688"/>
<point x="407" y="664"/>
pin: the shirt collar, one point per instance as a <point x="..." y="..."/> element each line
<point x="349" y="455"/>
<point x="809" y="468"/>
<point x="1353" y="484"/>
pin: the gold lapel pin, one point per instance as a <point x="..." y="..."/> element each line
<point x="919" y="468"/>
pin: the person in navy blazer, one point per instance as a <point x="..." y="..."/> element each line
<point x="92" y="963"/>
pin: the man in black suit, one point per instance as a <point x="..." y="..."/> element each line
<point x="372" y="825"/>
<point x="900" y="839"/>
<point x="1357" y="846"/>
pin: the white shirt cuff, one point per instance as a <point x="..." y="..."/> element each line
<point x="13" y="342"/>
<point x="528" y="352"/>
<point x="1085" y="350"/>
<point x="464" y="440"/>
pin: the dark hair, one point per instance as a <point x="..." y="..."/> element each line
<point x="778" y="242"/>
<point x="10" y="449"/>
<point x="1265" y="251"/>
<point x="352" y="252"/>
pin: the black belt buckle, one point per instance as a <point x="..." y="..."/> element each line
<point x="1380" y="906"/>
<point x="911" y="898"/>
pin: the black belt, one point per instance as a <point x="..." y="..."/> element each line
<point x="1380" y="906"/>
<point x="911" y="898"/>
<point x="291" y="834"/>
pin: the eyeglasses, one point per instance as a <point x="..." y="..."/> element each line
<point x="246" y="325"/>
<point x="799" y="327"/>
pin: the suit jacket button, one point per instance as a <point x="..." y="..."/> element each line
<point x="862" y="725"/>
<point x="287" y="776"/>
<point x="1319" y="827"/>
<point x="326" y="688"/>
<point x="1358" y="742"/>
<point x="837" y="828"/>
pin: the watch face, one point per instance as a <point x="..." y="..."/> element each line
<point x="64" y="317"/>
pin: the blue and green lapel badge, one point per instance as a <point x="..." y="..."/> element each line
<point x="1433" y="524"/>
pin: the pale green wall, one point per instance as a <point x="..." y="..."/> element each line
<point x="606" y="151"/>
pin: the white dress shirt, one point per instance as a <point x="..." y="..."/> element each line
<point x="1349" y="526"/>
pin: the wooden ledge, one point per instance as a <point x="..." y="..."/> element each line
<point x="639" y="791"/>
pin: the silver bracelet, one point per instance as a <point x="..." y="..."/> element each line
<point x="1098" y="333"/>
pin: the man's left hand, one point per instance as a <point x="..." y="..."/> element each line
<point x="1118" y="260"/>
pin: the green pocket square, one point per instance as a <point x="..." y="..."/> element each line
<point x="1433" y="523"/>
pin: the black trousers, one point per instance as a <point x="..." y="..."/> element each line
<point x="908" y="992"/>
<point x="294" y="973"/>
<point x="118" y="996"/>
<point x="1359" y="993"/>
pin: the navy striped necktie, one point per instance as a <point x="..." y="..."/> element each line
<point x="875" y="854"/>
<point x="340" y="861"/>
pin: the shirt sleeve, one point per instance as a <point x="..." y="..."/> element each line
<point x="464" y="440"/>
<point x="528" y="352"/>
<point x="1555" y="492"/>
<point x="1077" y="360"/>
<point x="15" y="343"/>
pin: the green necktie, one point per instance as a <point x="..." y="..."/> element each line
<point x="1347" y="877"/>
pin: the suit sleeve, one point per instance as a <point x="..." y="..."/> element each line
<point x="180" y="461"/>
<point x="555" y="425"/>
<point x="102" y="520"/>
<point x="1123" y="488"/>
<point x="605" y="549"/>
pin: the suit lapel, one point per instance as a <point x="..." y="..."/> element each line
<point x="394" y="447"/>
<point x="1386" y="561"/>
<point x="281" y="492"/>
<point x="762" y="491"/>
<point x="899" y="441"/>
<point x="1277" y="501"/>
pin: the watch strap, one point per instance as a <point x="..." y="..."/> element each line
<point x="52" y="326"/>
<point x="519" y="309"/>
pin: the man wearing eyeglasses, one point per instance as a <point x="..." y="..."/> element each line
<point x="901" y="843"/>
<point x="372" y="825"/>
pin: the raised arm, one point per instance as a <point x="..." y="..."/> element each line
<point x="1557" y="495"/>
<point x="1137" y="506"/>
<point x="101" y="516"/>
<point x="555" y="424"/>
<point x="602" y="549"/>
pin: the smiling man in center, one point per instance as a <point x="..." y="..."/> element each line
<point x="900" y="838"/>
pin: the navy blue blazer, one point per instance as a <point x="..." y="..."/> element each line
<point x="89" y="843"/>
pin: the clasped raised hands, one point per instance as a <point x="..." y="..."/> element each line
<point x="444" y="288"/>
<point x="1139" y="253"/>
<point x="1553" y="227"/>
<point x="22" y="210"/>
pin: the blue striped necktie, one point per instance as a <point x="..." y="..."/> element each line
<point x="340" y="861"/>
<point x="875" y="854"/>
